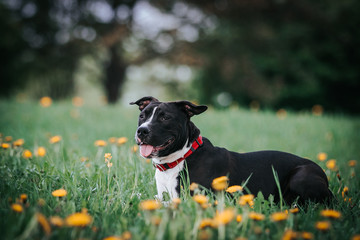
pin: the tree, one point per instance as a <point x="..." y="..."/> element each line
<point x="283" y="53"/>
<point x="280" y="53"/>
<point x="45" y="40"/>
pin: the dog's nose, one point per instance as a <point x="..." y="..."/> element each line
<point x="142" y="131"/>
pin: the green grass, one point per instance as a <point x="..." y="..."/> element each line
<point x="113" y="199"/>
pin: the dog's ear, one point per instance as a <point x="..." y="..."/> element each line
<point x="143" y="102"/>
<point x="191" y="109"/>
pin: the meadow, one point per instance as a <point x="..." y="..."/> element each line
<point x="76" y="174"/>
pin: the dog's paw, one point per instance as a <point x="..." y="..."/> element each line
<point x="158" y="197"/>
<point x="166" y="203"/>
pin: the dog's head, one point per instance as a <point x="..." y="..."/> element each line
<point x="165" y="127"/>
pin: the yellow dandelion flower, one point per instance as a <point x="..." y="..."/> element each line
<point x="345" y="192"/>
<point x="193" y="186"/>
<point x="352" y="163"/>
<point x="79" y="219"/>
<point x="149" y="205"/>
<point x="27" y="153"/>
<point x="5" y="145"/>
<point x="322" y="225"/>
<point x="176" y="202"/>
<point x="317" y="110"/>
<point x="113" y="238"/>
<point x="17" y="207"/>
<point x="107" y="157"/>
<point x="56" y="221"/>
<point x="112" y="140"/>
<point x="281" y="114"/>
<point x="18" y="142"/>
<point x="278" y="216"/>
<point x="41" y="151"/>
<point x="224" y="217"/>
<point x="45" y="101"/>
<point x="206" y="222"/>
<point x="43" y="223"/>
<point x="23" y="198"/>
<point x="256" y="216"/>
<point x="126" y="235"/>
<point x="134" y="148"/>
<point x="239" y="218"/>
<point x="122" y="140"/>
<point x="330" y="213"/>
<point x="331" y="164"/>
<point x="84" y="159"/>
<point x="289" y="235"/>
<point x="55" y="139"/>
<point x="246" y="199"/>
<point x="59" y="193"/>
<point x="77" y="101"/>
<point x="233" y="189"/>
<point x="100" y="143"/>
<point x="294" y="210"/>
<point x="356" y="237"/>
<point x="220" y="183"/>
<point x="200" y="199"/>
<point x="8" y="138"/>
<point x="322" y="156"/>
<point x="307" y="235"/>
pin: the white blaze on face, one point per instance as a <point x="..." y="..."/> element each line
<point x="146" y="150"/>
<point x="147" y="122"/>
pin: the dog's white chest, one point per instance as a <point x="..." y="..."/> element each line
<point x="167" y="181"/>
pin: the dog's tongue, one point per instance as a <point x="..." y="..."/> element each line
<point x="146" y="150"/>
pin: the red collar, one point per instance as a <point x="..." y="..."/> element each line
<point x="195" y="145"/>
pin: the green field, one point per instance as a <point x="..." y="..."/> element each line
<point x="111" y="195"/>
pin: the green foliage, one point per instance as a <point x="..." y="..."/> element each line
<point x="115" y="209"/>
<point x="284" y="55"/>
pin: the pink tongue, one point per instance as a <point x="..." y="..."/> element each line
<point x="146" y="150"/>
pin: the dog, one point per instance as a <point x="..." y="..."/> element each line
<point x="166" y="134"/>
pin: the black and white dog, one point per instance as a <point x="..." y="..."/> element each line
<point x="166" y="134"/>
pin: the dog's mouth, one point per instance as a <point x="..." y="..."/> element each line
<point x="147" y="150"/>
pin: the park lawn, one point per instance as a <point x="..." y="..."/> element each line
<point x="108" y="195"/>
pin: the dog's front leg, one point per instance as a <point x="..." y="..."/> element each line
<point x="166" y="182"/>
<point x="159" y="186"/>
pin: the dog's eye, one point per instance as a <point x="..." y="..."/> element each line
<point x="141" y="116"/>
<point x="164" y="118"/>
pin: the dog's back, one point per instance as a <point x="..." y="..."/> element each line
<point x="256" y="169"/>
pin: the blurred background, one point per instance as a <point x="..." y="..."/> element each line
<point x="275" y="54"/>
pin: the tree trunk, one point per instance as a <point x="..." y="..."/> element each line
<point x="115" y="73"/>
